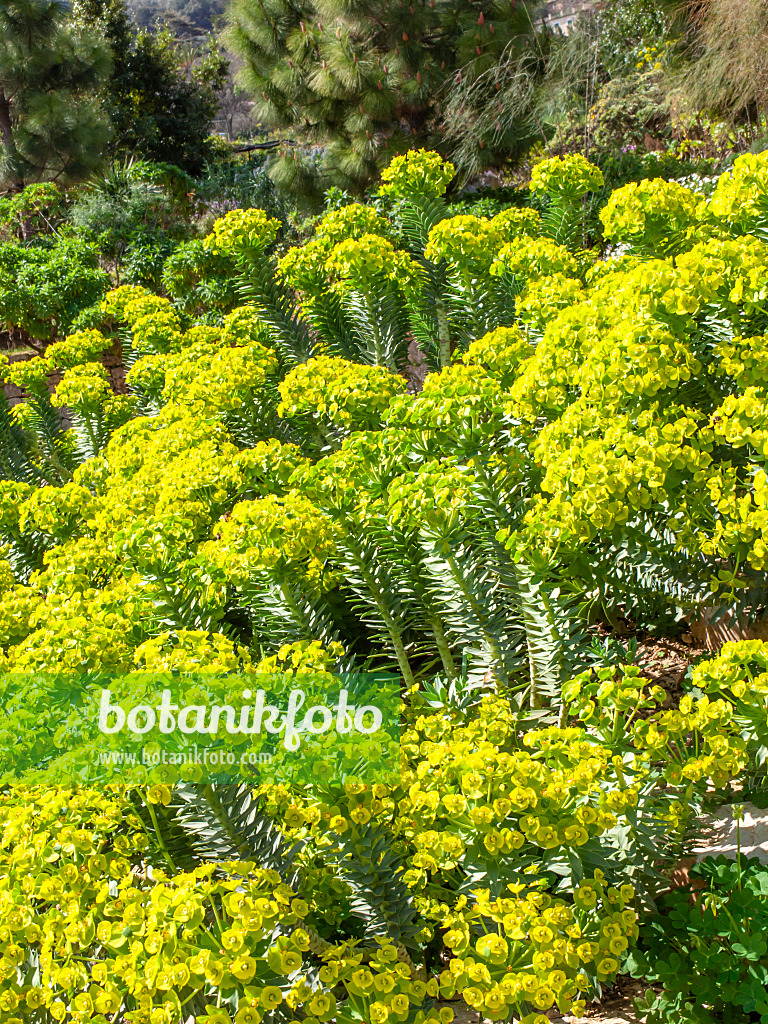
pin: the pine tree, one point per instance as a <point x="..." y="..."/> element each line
<point x="51" y="124"/>
<point x="366" y="78"/>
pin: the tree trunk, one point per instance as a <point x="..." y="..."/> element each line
<point x="6" y="136"/>
<point x="6" y="128"/>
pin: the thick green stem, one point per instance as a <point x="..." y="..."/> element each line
<point x="443" y="334"/>
<point x="394" y="631"/>
<point x="479" y="613"/>
<point x="374" y="322"/>
<point x="295" y="609"/>
<point x="443" y="647"/>
<point x="160" y="841"/>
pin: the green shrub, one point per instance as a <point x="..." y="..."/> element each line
<point x="144" y="261"/>
<point x="36" y="209"/>
<point x="44" y="288"/>
<point x="133" y="203"/>
<point x="198" y="279"/>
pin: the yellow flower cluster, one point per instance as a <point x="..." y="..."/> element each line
<point x="651" y="214"/>
<point x="359" y="263"/>
<point x="352" y="221"/>
<point x="289" y="532"/>
<point x="566" y="177"/>
<point x="242" y="232"/>
<point x="538" y="951"/>
<point x="346" y="394"/>
<point x="534" y="258"/>
<point x="417" y="173"/>
<point x="464" y="241"/>
<point x="740" y="199"/>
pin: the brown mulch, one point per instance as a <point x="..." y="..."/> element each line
<point x="666" y="661"/>
<point x="663" y="660"/>
<point x="614" y="1008"/>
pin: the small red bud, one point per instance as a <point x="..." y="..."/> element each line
<point x="320" y="26"/>
<point x="368" y="134"/>
<point x="361" y="109"/>
<point x="442" y="65"/>
<point x="405" y="37"/>
<point x="479" y="51"/>
<point x="482" y="144"/>
<point x="491" y="29"/>
<point x="458" y="78"/>
<point x="325" y="64"/>
<point x="380" y="86"/>
<point x="481" y="19"/>
<point x="303" y="29"/>
<point x="418" y="77"/>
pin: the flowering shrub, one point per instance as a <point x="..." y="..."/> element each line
<point x="526" y="258"/>
<point x="273" y="495"/>
<point x="240" y="937"/>
<point x="590" y="367"/>
<point x="347" y="395"/>
<point x="532" y="958"/>
<point x="740" y="199"/>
